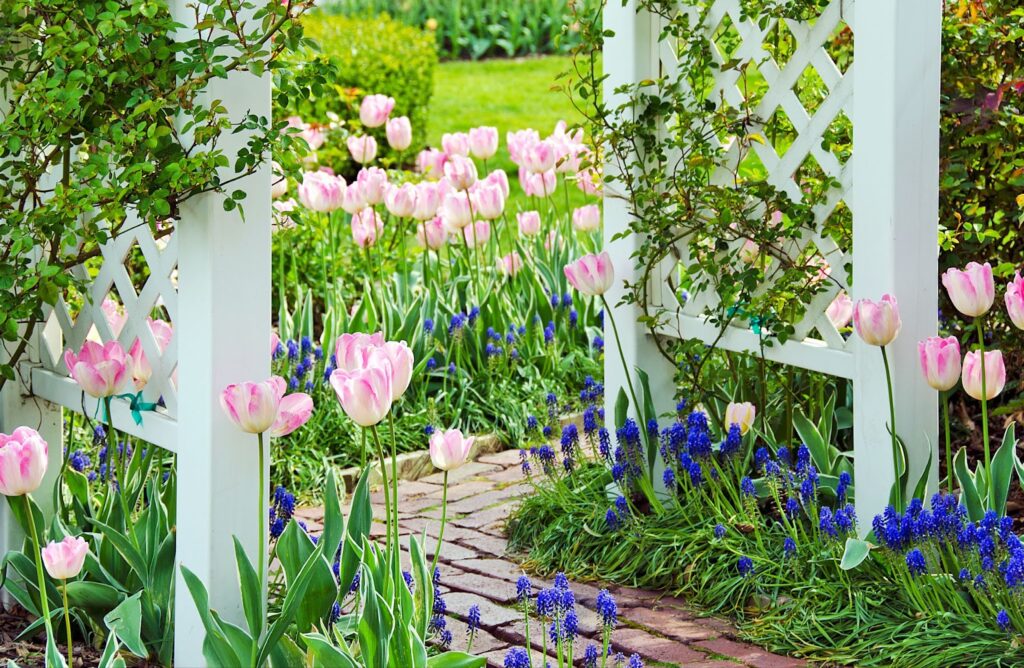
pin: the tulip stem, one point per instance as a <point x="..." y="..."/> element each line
<point x="44" y="602"/>
<point x="394" y="483"/>
<point x="984" y="401"/>
<point x="67" y="623"/>
<point x="384" y="476"/>
<point x="261" y="546"/>
<point x="897" y="484"/>
<point x="444" y="518"/>
<point x="119" y="484"/>
<point x="949" y="448"/>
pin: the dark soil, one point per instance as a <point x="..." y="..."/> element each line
<point x="31" y="652"/>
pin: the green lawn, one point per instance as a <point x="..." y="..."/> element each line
<point x="508" y="94"/>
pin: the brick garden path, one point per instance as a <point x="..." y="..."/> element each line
<point x="477" y="571"/>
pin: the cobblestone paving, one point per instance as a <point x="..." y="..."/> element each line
<point x="477" y="571"/>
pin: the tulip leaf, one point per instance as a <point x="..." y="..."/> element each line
<point x="293" y="602"/>
<point x="252" y="591"/>
<point x="456" y="660"/>
<point x="854" y="554"/>
<point x="1002" y="471"/>
<point x="325" y="653"/>
<point x="359" y="520"/>
<point x="968" y="490"/>
<point x="93" y="596"/>
<point x="126" y="622"/>
<point x="216" y="648"/>
<point x="334" y="520"/>
<point x="814" y="441"/>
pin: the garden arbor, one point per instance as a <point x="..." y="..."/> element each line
<point x="211" y="275"/>
<point x="890" y="185"/>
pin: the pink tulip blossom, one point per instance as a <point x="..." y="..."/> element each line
<point x="294" y="411"/>
<point x="529" y="223"/>
<point x="252" y="406"/>
<point x="100" y="370"/>
<point x="352" y="351"/>
<point x="460" y="171"/>
<point x="23" y="461"/>
<point x="142" y="371"/>
<point x="354" y="200"/>
<point x="940" y="361"/>
<point x="455" y="143"/>
<point x="313" y="135"/>
<point x="430" y="163"/>
<point x="374" y="110"/>
<point x="840" y="311"/>
<point x="363" y="149"/>
<point x="877" y="323"/>
<point x="321" y="192"/>
<point x="586" y="218"/>
<point x="432" y="233"/>
<point x="972" y="289"/>
<point x="741" y="414"/>
<point x="519" y="143"/>
<point x="995" y="374"/>
<point x="449" y="449"/>
<point x="1015" y="300"/>
<point x="114" y="315"/>
<point x="367" y="227"/>
<point x="457" y="210"/>
<point x="483" y="142"/>
<point x="401" y="360"/>
<point x="401" y="200"/>
<point x="428" y="200"/>
<point x="365" y="394"/>
<point x="591" y="274"/>
<point x="278" y="181"/>
<point x="399" y="133"/>
<point x="589" y="180"/>
<point x="64" y="560"/>
<point x="499" y="178"/>
<point x="477" y="234"/>
<point x="373" y="183"/>
<point x="488" y="201"/>
<point x="511" y="264"/>
<point x="540" y="184"/>
<point x="540" y="157"/>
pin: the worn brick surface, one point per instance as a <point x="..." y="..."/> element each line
<point x="735" y="650"/>
<point x="464" y="472"/>
<point x="492" y="615"/>
<point x="500" y="591"/>
<point x="653" y="648"/>
<point x="482" y="641"/>
<point x="503" y="459"/>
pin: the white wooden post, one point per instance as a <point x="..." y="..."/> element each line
<point x="223" y="333"/>
<point x="629" y="56"/>
<point x="896" y="157"/>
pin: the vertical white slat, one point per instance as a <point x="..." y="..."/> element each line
<point x="223" y="333"/>
<point x="629" y="56"/>
<point x="897" y="48"/>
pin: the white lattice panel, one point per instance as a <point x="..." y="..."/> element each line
<point x="817" y="344"/>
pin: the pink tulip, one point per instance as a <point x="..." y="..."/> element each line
<point x="586" y="218"/>
<point x="373" y="182"/>
<point x="142" y="371"/>
<point x="321" y="192"/>
<point x="460" y="171"/>
<point x="354" y="200"/>
<point x="540" y="157"/>
<point x="741" y="414"/>
<point x="23" y="461"/>
<point x="1015" y="300"/>
<point x="529" y="223"/>
<point x="483" y="142"/>
<point x="366" y="227"/>
<point x="427" y="201"/>
<point x="432" y="233"/>
<point x="352" y="351"/>
<point x="294" y="411"/>
<point x="311" y="134"/>
<point x="114" y="314"/>
<point x="64" y="560"/>
<point x="569" y="158"/>
<point x="251" y="406"/>
<point x="519" y="142"/>
<point x="430" y="163"/>
<point x="972" y="289"/>
<point x="488" y="202"/>
<point x="499" y="178"/>
<point x="283" y="209"/>
<point x="365" y="394"/>
<point x="449" y="449"/>
<point x="995" y="374"/>
<point x="100" y="370"/>
<point x="401" y="200"/>
<point x="877" y="323"/>
<point x="477" y="234"/>
<point x="511" y="264"/>
<point x="940" y="361"/>
<point x="399" y="133"/>
<point x="840" y="311"/>
<point x="456" y="210"/>
<point x="455" y="143"/>
<point x="401" y="360"/>
<point x="589" y="181"/>
<point x="278" y="181"/>
<point x="363" y="149"/>
<point x="374" y="110"/>
<point x="275" y="342"/>
<point x="540" y="184"/>
<point x="591" y="274"/>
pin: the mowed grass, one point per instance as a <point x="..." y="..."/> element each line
<point x="510" y="95"/>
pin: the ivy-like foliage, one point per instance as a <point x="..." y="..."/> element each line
<point x="104" y="110"/>
<point x="707" y="212"/>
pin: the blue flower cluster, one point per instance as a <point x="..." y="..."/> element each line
<point x="282" y="508"/>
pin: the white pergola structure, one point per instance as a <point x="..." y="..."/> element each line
<point x="891" y="94"/>
<point x="212" y="276"/>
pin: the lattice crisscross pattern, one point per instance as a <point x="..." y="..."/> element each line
<point x="807" y="93"/>
<point x="152" y="294"/>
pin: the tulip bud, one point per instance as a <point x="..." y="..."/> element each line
<point x="995" y="374"/>
<point x="430" y="163"/>
<point x="840" y="311"/>
<point x="374" y="110"/>
<point x="363" y="149"/>
<point x="940" y="361"/>
<point x="483" y="142"/>
<point x="23" y="461"/>
<point x="877" y="323"/>
<point x="511" y="264"/>
<point x="401" y="200"/>
<point x="455" y="143"/>
<point x="529" y="223"/>
<point x="971" y="290"/>
<point x="591" y="274"/>
<point x="365" y="394"/>
<point x="586" y="218"/>
<point x="488" y="202"/>
<point x="253" y="406"/>
<point x="741" y="414"/>
<point x="456" y="210"/>
<point x="1015" y="300"/>
<point x="432" y="233"/>
<point x="461" y="171"/>
<point x="373" y="182"/>
<point x="399" y="133"/>
<point x="64" y="560"/>
<point x="278" y="181"/>
<point x="449" y="449"/>
<point x="366" y="227"/>
<point x="321" y="191"/>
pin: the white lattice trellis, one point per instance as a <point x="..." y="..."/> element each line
<point x="890" y="185"/>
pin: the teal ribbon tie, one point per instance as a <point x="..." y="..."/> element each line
<point x="136" y="405"/>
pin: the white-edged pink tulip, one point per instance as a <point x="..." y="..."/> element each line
<point x="23" y="461"/>
<point x="488" y="200"/>
<point x="519" y="142"/>
<point x="373" y="183"/>
<point x="401" y="200"/>
<point x="499" y="178"/>
<point x="529" y="223"/>
<point x="483" y="142"/>
<point x="363" y="149"/>
<point x="477" y="234"/>
<point x="455" y="143"/>
<point x="432" y="233"/>
<point x="430" y="163"/>
<point x="1015" y="300"/>
<point x="538" y="184"/>
<point x="101" y="370"/>
<point x="877" y="323"/>
<point x="457" y="210"/>
<point x="321" y="191"/>
<point x="428" y="200"/>
<point x="352" y="351"/>
<point x="940" y="361"/>
<point x="399" y="133"/>
<point x="460" y="171"/>
<point x="278" y="181"/>
<point x="540" y="157"/>
<point x="375" y="109"/>
<point x="354" y="200"/>
<point x="511" y="264"/>
<point x="589" y="180"/>
<point x="64" y="560"/>
<point x="995" y="374"/>
<point x="367" y="227"/>
<point x="113" y="313"/>
<point x="971" y="289"/>
<point x="294" y="411"/>
<point x="840" y="311"/>
<point x="365" y="394"/>
<point x="401" y="360"/>
<point x="586" y="218"/>
<point x="592" y="274"/>
<point x="142" y="370"/>
<point x="252" y="406"/>
<point x="449" y="449"/>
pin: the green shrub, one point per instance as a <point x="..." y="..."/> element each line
<point x="481" y="28"/>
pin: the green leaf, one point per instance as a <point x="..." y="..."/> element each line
<point x="456" y="660"/>
<point x="93" y="597"/>
<point x="921" y="488"/>
<point x="292" y="601"/>
<point x="854" y="554"/>
<point x="621" y="407"/>
<point x="252" y="592"/>
<point x="326" y="653"/>
<point x="125" y="621"/>
<point x="334" y="520"/>
<point x="359" y="520"/>
<point x="216" y="647"/>
<point x="814" y="441"/>
<point x="969" y="491"/>
<point x="1002" y="471"/>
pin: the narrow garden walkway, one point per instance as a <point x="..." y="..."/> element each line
<point x="477" y="571"/>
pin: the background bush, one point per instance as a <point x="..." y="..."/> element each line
<point x="483" y="28"/>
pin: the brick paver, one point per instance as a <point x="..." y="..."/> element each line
<point x="478" y="571"/>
